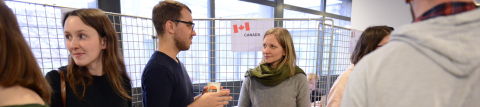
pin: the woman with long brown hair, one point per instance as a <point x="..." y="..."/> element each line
<point x="21" y="81"/>
<point x="277" y="81"/>
<point x="96" y="74"/>
<point x="371" y="39"/>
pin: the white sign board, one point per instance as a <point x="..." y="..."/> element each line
<point x="247" y="35"/>
<point x="355" y="35"/>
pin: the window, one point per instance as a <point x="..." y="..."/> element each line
<point x="233" y="65"/>
<point x="310" y="4"/>
<point x="68" y="3"/>
<point x="241" y="9"/>
<point x="144" y="8"/>
<point x="339" y="7"/>
<point x="338" y="22"/>
<point x="295" y="14"/>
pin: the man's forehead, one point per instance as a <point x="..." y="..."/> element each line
<point x="186" y="15"/>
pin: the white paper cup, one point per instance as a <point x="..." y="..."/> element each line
<point x="213" y="86"/>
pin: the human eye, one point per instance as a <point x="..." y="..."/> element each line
<point x="68" y="36"/>
<point x="82" y="36"/>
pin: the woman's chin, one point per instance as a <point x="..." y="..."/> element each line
<point x="79" y="63"/>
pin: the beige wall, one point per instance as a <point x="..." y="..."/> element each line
<point x="366" y="13"/>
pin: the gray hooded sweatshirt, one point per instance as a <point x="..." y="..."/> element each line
<point x="432" y="63"/>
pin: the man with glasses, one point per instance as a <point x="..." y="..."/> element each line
<point x="433" y="62"/>
<point x="165" y="82"/>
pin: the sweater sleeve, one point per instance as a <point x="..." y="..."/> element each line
<point x="157" y="86"/>
<point x="355" y="89"/>
<point x="336" y="93"/>
<point x="303" y="90"/>
<point x="244" y="98"/>
<point x="53" y="78"/>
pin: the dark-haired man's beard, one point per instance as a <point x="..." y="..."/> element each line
<point x="181" y="45"/>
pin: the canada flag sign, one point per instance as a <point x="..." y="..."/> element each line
<point x="247" y="35"/>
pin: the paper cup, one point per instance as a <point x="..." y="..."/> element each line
<point x="213" y="86"/>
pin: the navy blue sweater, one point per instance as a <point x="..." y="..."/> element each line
<point x="165" y="83"/>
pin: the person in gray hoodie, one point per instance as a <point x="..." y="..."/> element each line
<point x="433" y="62"/>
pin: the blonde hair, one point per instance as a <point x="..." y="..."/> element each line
<point x="285" y="40"/>
<point x="312" y="77"/>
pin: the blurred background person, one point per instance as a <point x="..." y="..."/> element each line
<point x="315" y="94"/>
<point x="371" y="39"/>
<point x="21" y="80"/>
<point x="433" y="62"/>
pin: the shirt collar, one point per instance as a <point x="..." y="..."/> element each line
<point x="446" y="9"/>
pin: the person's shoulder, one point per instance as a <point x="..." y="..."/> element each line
<point x="126" y="78"/>
<point x="18" y="95"/>
<point x="28" y="105"/>
<point x="52" y="75"/>
<point x="249" y="80"/>
<point x="55" y="71"/>
<point x="156" y="68"/>
<point x="157" y="72"/>
<point x="157" y="63"/>
<point x="159" y="58"/>
<point x="300" y="77"/>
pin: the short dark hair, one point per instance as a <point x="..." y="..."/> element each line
<point x="369" y="40"/>
<point x="165" y="11"/>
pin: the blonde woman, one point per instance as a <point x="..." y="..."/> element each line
<point x="277" y="81"/>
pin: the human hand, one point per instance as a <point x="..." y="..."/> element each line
<point x="205" y="89"/>
<point x="211" y="99"/>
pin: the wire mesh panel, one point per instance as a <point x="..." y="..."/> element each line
<point x="336" y="58"/>
<point x="41" y="26"/>
<point x="321" y="49"/>
<point x="137" y="45"/>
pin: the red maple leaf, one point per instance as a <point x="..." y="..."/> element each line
<point x="241" y="27"/>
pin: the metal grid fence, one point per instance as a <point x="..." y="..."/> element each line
<point x="320" y="47"/>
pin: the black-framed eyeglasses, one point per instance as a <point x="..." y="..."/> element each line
<point x="190" y="23"/>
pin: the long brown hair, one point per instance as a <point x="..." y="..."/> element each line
<point x="285" y="40"/>
<point x="369" y="40"/>
<point x="113" y="65"/>
<point x="18" y="66"/>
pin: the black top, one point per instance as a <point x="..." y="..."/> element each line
<point x="165" y="83"/>
<point x="99" y="94"/>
